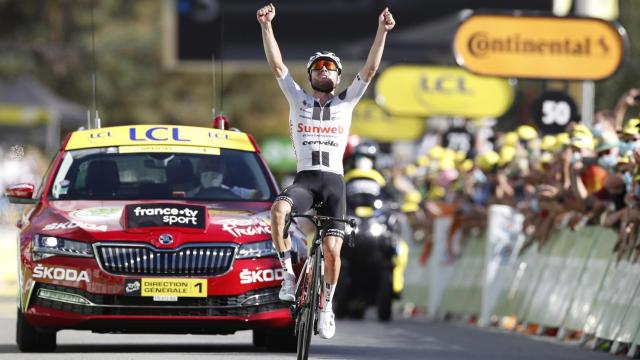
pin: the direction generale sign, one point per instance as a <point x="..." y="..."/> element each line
<point x="419" y="90"/>
<point x="539" y="47"/>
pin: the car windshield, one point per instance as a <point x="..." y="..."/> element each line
<point x="108" y="174"/>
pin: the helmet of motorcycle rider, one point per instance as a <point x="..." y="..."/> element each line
<point x="365" y="155"/>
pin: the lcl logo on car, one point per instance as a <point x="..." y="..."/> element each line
<point x="165" y="239"/>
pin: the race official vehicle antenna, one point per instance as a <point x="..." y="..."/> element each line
<point x="94" y="78"/>
<point x="219" y="121"/>
<point x="213" y="86"/>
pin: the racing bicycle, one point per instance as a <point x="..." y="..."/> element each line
<point x="305" y="309"/>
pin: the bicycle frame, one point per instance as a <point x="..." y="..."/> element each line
<point x="315" y="246"/>
<point x="305" y="308"/>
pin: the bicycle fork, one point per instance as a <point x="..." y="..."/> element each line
<point x="301" y="296"/>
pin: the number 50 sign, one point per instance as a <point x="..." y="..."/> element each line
<point x="553" y="111"/>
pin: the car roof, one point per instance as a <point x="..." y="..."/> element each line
<point x="140" y="137"/>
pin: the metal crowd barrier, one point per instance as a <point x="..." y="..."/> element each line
<point x="574" y="286"/>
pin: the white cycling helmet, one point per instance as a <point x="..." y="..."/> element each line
<point x="324" y="55"/>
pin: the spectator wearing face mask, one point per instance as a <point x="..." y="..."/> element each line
<point x="585" y="176"/>
<point x="630" y="137"/>
<point x="607" y="151"/>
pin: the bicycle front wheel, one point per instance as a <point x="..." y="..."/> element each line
<point x="309" y="310"/>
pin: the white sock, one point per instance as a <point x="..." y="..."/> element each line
<point x="285" y="261"/>
<point x="327" y="296"/>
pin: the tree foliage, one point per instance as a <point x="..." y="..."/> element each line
<point x="51" y="40"/>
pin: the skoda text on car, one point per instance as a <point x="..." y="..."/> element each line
<point x="152" y="229"/>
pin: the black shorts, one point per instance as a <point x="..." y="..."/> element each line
<point x="322" y="190"/>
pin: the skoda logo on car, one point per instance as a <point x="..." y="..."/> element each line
<point x="165" y="239"/>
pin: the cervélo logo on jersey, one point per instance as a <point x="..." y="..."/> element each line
<point x="322" y="130"/>
<point x="320" y="142"/>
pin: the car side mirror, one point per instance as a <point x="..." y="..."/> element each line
<point x="21" y="194"/>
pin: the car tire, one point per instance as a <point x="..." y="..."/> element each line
<point x="385" y="296"/>
<point x="281" y="340"/>
<point x="32" y="339"/>
<point x="259" y="338"/>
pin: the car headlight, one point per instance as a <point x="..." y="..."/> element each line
<point x="256" y="250"/>
<point x="46" y="246"/>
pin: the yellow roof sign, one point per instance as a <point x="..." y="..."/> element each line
<point x="371" y="121"/>
<point x="145" y="135"/>
<point x="539" y="47"/>
<point x="441" y="90"/>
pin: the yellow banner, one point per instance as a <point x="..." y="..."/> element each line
<point x="173" y="287"/>
<point x="372" y="122"/>
<point x="169" y="149"/>
<point x="139" y="135"/>
<point x="440" y="90"/>
<point x="23" y="115"/>
<point x="539" y="47"/>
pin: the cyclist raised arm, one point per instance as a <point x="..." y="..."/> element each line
<point x="265" y="15"/>
<point x="319" y="127"/>
<point x="385" y="24"/>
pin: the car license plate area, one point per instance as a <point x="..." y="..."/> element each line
<point x="166" y="289"/>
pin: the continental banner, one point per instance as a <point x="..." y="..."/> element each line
<point x="418" y="90"/>
<point x="372" y="122"/>
<point x="539" y="47"/>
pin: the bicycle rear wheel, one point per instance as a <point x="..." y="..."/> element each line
<point x="309" y="310"/>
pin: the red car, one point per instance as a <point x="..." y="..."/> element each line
<point x="152" y="229"/>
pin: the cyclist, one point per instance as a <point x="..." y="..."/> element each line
<point x="319" y="126"/>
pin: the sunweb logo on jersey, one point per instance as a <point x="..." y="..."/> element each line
<point x="312" y="129"/>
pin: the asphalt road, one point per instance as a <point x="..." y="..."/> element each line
<point x="368" y="339"/>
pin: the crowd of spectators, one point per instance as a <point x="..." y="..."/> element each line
<point x="585" y="175"/>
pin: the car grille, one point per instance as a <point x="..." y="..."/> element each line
<point x="246" y="304"/>
<point x="206" y="260"/>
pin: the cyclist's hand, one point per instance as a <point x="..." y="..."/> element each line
<point x="385" y="20"/>
<point x="266" y="14"/>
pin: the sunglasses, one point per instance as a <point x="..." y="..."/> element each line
<point x="330" y="65"/>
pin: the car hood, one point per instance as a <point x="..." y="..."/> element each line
<point x="113" y="220"/>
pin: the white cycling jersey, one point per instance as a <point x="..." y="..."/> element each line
<point x="319" y="133"/>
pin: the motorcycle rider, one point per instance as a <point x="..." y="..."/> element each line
<point x="365" y="186"/>
<point x="364" y="182"/>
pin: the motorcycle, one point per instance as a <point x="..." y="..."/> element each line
<point x="370" y="268"/>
